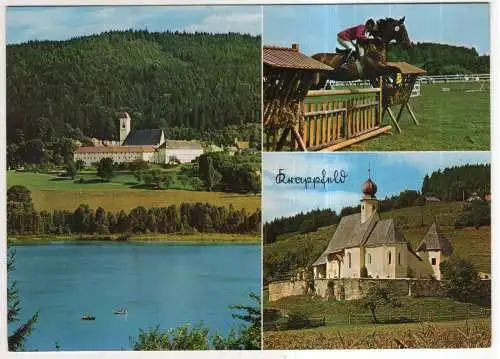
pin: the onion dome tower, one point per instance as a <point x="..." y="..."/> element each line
<point x="369" y="203"/>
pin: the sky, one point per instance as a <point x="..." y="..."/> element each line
<point x="61" y="23"/>
<point x="393" y="172"/>
<point x="315" y="27"/>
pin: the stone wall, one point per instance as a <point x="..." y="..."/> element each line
<point x="350" y="289"/>
<point x="278" y="290"/>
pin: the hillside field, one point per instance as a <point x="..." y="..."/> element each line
<point x="49" y="193"/>
<point x="291" y="251"/>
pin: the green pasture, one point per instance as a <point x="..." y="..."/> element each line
<point x="352" y="312"/>
<point x="51" y="192"/>
<point x="453" y="120"/>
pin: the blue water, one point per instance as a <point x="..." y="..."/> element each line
<point x="160" y="284"/>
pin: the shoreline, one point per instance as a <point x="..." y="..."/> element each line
<point x="195" y="238"/>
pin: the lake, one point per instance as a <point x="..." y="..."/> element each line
<point x="160" y="284"/>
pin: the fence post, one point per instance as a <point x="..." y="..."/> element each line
<point x="349" y="318"/>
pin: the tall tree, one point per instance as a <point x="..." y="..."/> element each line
<point x="18" y="336"/>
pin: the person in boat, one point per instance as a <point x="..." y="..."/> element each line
<point x="347" y="37"/>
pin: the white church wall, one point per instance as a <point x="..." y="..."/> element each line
<point x="430" y="265"/>
<point x="351" y="266"/>
<point x="376" y="262"/>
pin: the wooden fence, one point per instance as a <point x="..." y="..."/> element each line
<point x="333" y="119"/>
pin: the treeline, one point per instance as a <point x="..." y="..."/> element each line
<point x="440" y="59"/>
<point x="299" y="223"/>
<point x="459" y="182"/>
<point x="203" y="86"/>
<point x="23" y="219"/>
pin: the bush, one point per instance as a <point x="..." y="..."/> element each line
<point x="476" y="214"/>
<point x="297" y="320"/>
<point x="461" y="279"/>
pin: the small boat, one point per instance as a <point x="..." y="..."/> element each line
<point x="88" y="317"/>
<point x="121" y="311"/>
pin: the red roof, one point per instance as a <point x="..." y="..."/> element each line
<point x="118" y="149"/>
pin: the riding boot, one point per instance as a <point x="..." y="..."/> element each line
<point x="345" y="64"/>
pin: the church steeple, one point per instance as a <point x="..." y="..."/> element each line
<point x="369" y="203"/>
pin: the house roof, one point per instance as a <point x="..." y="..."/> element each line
<point x="144" y="137"/>
<point x="243" y="145"/>
<point x="385" y="232"/>
<point x="434" y="240"/>
<point x="374" y="232"/>
<point x="349" y="233"/>
<point x="178" y="144"/>
<point x="120" y="149"/>
<point x="285" y="57"/>
<point x="406" y="68"/>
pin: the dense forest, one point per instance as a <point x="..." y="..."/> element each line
<point x="458" y="183"/>
<point x="23" y="219"/>
<point x="194" y="86"/>
<point x="451" y="184"/>
<point x="440" y="59"/>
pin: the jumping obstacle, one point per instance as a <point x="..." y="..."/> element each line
<point x="288" y="75"/>
<point x="325" y="120"/>
<point x="397" y="90"/>
<point x="334" y="119"/>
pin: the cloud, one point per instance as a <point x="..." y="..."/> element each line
<point x="61" y="23"/>
<point x="287" y="202"/>
<point x="289" y="199"/>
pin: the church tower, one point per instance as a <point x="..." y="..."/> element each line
<point x="369" y="203"/>
<point x="125" y="122"/>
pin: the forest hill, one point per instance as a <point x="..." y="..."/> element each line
<point x="23" y="219"/>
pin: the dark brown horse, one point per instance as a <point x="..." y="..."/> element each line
<point x="373" y="62"/>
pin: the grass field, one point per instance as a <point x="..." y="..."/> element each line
<point x="352" y="312"/>
<point x="49" y="193"/>
<point x="474" y="333"/>
<point x="450" y="121"/>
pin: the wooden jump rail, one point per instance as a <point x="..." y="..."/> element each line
<point x="334" y="119"/>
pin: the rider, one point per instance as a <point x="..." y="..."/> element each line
<point x="347" y="36"/>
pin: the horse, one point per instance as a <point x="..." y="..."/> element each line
<point x="373" y="63"/>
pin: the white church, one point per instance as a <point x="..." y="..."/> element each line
<point x="148" y="145"/>
<point x="364" y="240"/>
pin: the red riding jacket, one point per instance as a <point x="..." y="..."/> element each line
<point x="353" y="33"/>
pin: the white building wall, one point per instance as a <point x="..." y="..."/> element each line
<point x="376" y="261"/>
<point x="183" y="155"/>
<point x="428" y="257"/>
<point x="351" y="269"/>
<point x="119" y="157"/>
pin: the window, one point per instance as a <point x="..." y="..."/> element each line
<point x="433" y="261"/>
<point x="349" y="259"/>
<point x="390" y="258"/>
<point x="369" y="258"/>
<point x="399" y="258"/>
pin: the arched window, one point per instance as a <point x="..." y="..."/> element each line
<point x="389" y="257"/>
<point x="369" y="258"/>
<point x="399" y="258"/>
<point x="349" y="259"/>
